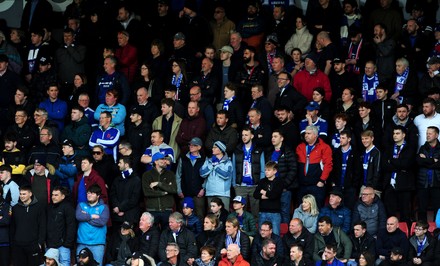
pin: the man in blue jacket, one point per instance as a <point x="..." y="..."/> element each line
<point x="92" y="219"/>
<point x="340" y="215"/>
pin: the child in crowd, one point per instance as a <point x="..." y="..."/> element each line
<point x="191" y="221"/>
<point x="245" y="218"/>
<point x="269" y="191"/>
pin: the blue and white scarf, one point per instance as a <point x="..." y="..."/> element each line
<point x="345" y="155"/>
<point x="227" y="102"/>
<point x="400" y="82"/>
<point x="369" y="87"/>
<point x="176" y="81"/>
<point x="396" y="153"/>
<point x="247" y="165"/>
<point x="230" y="241"/>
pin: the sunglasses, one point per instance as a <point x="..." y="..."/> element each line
<point x="96" y="152"/>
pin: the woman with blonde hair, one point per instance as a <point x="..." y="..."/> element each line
<point x="233" y="235"/>
<point x="308" y="212"/>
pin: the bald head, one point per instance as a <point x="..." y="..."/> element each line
<point x="233" y="251"/>
<point x="392" y="224"/>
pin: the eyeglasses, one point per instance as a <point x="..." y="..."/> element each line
<point x="419" y="229"/>
<point x="96" y="152"/>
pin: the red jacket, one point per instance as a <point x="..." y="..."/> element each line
<point x="304" y="83"/>
<point x="127" y="61"/>
<point x="239" y="262"/>
<point x="320" y="163"/>
<point x="190" y="128"/>
<point x="92" y="178"/>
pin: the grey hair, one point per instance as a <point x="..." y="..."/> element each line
<point x="172" y="244"/>
<point x="314" y="129"/>
<point x="403" y="60"/>
<point x="236" y="33"/>
<point x="177" y="216"/>
<point x="149" y="216"/>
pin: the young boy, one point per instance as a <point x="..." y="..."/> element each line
<point x="269" y="191"/>
<point x="370" y="163"/>
<point x="245" y="218"/>
<point x="383" y="108"/>
<point x="191" y="221"/>
<point x="341" y="121"/>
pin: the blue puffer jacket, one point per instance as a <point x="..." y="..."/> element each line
<point x="193" y="223"/>
<point x="341" y="216"/>
<point x="67" y="170"/>
<point x="218" y="177"/>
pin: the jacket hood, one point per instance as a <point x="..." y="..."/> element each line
<point x="33" y="202"/>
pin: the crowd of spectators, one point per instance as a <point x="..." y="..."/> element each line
<point x="190" y="132"/>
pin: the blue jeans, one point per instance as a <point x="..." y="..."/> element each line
<point x="64" y="255"/>
<point x="97" y="251"/>
<point x="275" y="218"/>
<point x="161" y="218"/>
<point x="286" y="198"/>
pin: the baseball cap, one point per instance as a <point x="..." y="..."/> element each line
<point x="84" y="253"/>
<point x="273" y="39"/>
<point x="137" y="111"/>
<point x="157" y="156"/>
<point x="67" y="142"/>
<point x="227" y="48"/>
<point x="312" y="106"/>
<point x="127" y="225"/>
<point x="337" y="192"/>
<point x="179" y="36"/>
<point x="337" y="60"/>
<point x="45" y="60"/>
<point x="196" y="141"/>
<point x="240" y="199"/>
